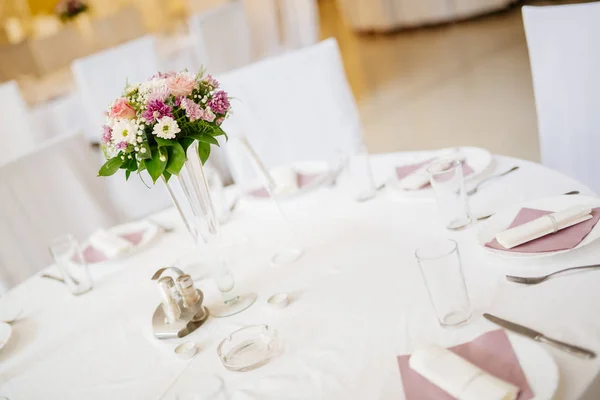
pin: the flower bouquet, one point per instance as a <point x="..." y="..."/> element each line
<point x="70" y="9"/>
<point x="152" y="125"/>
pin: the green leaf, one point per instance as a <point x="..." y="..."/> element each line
<point x="155" y="165"/>
<point x="165" y="142"/>
<point x="207" y="139"/>
<point x="147" y="154"/>
<point x="176" y="158"/>
<point x="141" y="166"/>
<point x="220" y="132"/>
<point x="167" y="175"/>
<point x="127" y="173"/>
<point x="111" y="166"/>
<point x="186" y="142"/>
<point x="203" y="151"/>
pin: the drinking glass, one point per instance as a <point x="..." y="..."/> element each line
<point x="440" y="265"/>
<point x="446" y="178"/>
<point x="361" y="173"/>
<point x="74" y="269"/>
<point x="218" y="195"/>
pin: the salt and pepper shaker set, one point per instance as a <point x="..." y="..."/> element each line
<point x="176" y="295"/>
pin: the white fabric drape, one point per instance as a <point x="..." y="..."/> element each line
<point x="295" y="107"/>
<point x="47" y="193"/>
<point x="223" y="37"/>
<point x="564" y="64"/>
<point x="16" y="131"/>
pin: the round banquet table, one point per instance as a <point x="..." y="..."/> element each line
<point x="358" y="302"/>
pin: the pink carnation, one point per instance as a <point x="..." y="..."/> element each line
<point x="181" y="85"/>
<point x="192" y="110"/>
<point x="122" y="145"/>
<point x="106" y="134"/>
<point x="207" y="115"/>
<point x="219" y="121"/>
<point x="219" y="103"/>
<point x="122" y="110"/>
<point x="211" y="81"/>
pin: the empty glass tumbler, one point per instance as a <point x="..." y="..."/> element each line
<point x="441" y="268"/>
<point x="70" y="261"/>
<point x="446" y="178"/>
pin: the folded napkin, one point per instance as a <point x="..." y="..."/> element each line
<point x="415" y="176"/>
<point x="105" y="245"/>
<point x="531" y="230"/>
<point x="485" y="369"/>
<point x="300" y="180"/>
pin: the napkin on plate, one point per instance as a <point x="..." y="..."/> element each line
<point x="491" y="353"/>
<point x="300" y="180"/>
<point x="415" y="176"/>
<point x="564" y="239"/>
<point x="105" y="245"/>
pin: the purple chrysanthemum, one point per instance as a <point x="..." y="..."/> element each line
<point x="219" y="103"/>
<point x="106" y="134"/>
<point x="211" y="81"/>
<point x="155" y="110"/>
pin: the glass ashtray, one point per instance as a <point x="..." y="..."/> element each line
<point x="249" y="348"/>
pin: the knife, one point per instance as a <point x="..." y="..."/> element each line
<point x="539" y="337"/>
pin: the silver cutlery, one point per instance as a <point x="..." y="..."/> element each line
<point x="540" y="279"/>
<point x="474" y="190"/>
<point x="540" y="337"/>
<point x="572" y="192"/>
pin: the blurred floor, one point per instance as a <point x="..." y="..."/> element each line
<point x="467" y="83"/>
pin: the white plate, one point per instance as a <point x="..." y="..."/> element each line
<point x="150" y="232"/>
<point x="285" y="177"/>
<point x="479" y="159"/>
<point x="539" y="367"/>
<point x="5" y="332"/>
<point x="501" y="220"/>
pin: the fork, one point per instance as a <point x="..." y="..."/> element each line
<point x="540" y="279"/>
<point x="572" y="192"/>
<point x="474" y="190"/>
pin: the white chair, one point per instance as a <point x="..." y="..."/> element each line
<point x="119" y="27"/>
<point x="562" y="44"/>
<point x="300" y="20"/>
<point x="223" y="37"/>
<point x="100" y="79"/>
<point x="264" y="19"/>
<point x="295" y="107"/>
<point x="46" y="193"/>
<point x="16" y="130"/>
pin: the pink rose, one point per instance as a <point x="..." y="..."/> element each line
<point x="122" y="110"/>
<point x="181" y="85"/>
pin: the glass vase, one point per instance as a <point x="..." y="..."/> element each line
<point x="191" y="195"/>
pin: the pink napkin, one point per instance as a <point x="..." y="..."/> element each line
<point x="492" y="352"/>
<point x="301" y="180"/>
<point x="406" y="170"/>
<point x="562" y="240"/>
<point x="92" y="255"/>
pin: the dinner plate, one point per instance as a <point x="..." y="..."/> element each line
<point x="146" y="229"/>
<point x="5" y="332"/>
<point x="477" y="158"/>
<point x="501" y="220"/>
<point x="539" y="367"/>
<point x="321" y="175"/>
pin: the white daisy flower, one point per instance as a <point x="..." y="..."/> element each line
<point x="166" y="128"/>
<point x="124" y="130"/>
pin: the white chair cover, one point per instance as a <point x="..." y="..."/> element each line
<point x="17" y="133"/>
<point x="300" y="23"/>
<point x="101" y="79"/>
<point x="295" y="107"/>
<point x="223" y="37"/>
<point x="47" y="193"/>
<point x="264" y="19"/>
<point x="122" y="26"/>
<point x="562" y="44"/>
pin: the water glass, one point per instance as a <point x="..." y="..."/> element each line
<point x="218" y="195"/>
<point x="441" y="269"/>
<point x="74" y="269"/>
<point x="447" y="180"/>
<point x="361" y="173"/>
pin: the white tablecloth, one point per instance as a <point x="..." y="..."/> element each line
<point x="359" y="302"/>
